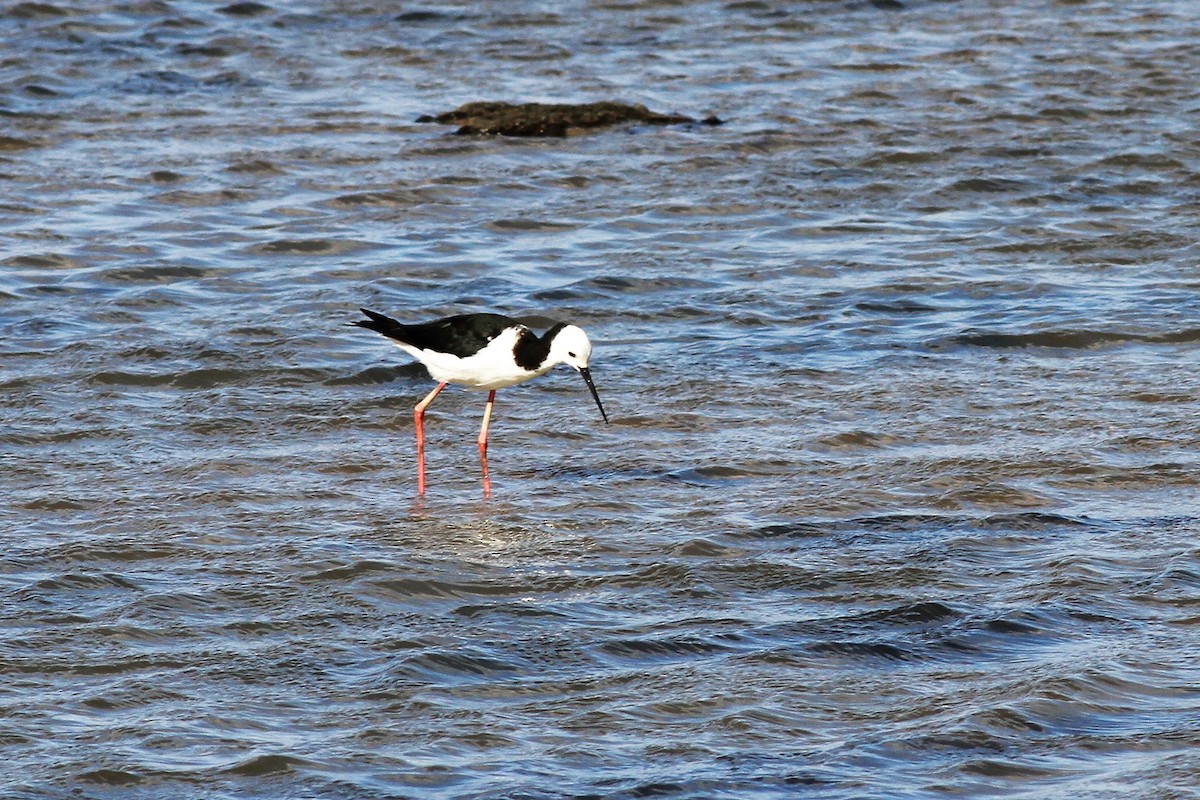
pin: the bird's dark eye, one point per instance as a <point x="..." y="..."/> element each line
<point x="572" y="355"/>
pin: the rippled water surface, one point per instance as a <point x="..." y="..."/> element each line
<point x="900" y="494"/>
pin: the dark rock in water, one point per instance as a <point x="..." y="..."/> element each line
<point x="248" y="9"/>
<point x="550" y="119"/>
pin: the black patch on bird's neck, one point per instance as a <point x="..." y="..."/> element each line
<point x="531" y="350"/>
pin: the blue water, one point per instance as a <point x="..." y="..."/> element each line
<point x="898" y="499"/>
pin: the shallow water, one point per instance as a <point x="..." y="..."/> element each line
<point x="899" y="498"/>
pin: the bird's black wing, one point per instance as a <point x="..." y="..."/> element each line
<point x="462" y="335"/>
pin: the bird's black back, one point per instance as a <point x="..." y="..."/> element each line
<point x="462" y="335"/>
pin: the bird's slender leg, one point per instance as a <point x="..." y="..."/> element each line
<point x="419" y="419"/>
<point x="483" y="436"/>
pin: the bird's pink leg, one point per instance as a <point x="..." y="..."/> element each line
<point x="419" y="419"/>
<point x="483" y="436"/>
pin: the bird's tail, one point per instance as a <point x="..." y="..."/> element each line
<point x="380" y="323"/>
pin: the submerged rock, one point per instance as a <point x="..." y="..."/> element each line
<point x="550" y="119"/>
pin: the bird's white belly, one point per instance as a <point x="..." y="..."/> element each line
<point x="492" y="367"/>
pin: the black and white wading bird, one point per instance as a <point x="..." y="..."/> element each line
<point x="482" y="351"/>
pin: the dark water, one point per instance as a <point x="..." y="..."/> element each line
<point x="900" y="495"/>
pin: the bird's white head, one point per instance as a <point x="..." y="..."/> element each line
<point x="572" y="347"/>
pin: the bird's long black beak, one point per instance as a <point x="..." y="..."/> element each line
<point x="587" y="376"/>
